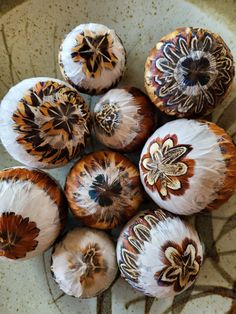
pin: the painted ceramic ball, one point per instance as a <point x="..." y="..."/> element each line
<point x="189" y="72"/>
<point x="92" y="58"/>
<point x="33" y="210"/>
<point x="44" y="122"/>
<point x="123" y="119"/>
<point x="104" y="189"/>
<point x="159" y="254"/>
<point x="84" y="263"/>
<point x="188" y="165"/>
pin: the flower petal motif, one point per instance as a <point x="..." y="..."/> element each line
<point x="129" y="265"/>
<point x="183" y="46"/>
<point x="135" y="244"/>
<point x="147" y="163"/>
<point x="142" y="232"/>
<point x="182" y="265"/>
<point x="95" y="52"/>
<point x="169" y="52"/>
<point x="173" y="154"/>
<point x="191" y="71"/>
<point x="169" y="143"/>
<point x="152" y="177"/>
<point x="165" y="166"/>
<point x="164" y="65"/>
<point x="178" y="169"/>
<point x="173" y="183"/>
<point x="155" y="151"/>
<point x="163" y="189"/>
<point x="17" y="235"/>
<point x="140" y="235"/>
<point x="108" y="118"/>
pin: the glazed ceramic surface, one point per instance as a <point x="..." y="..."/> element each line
<point x="30" y="35"/>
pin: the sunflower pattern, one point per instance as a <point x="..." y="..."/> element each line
<point x="165" y="166"/>
<point x="52" y="122"/>
<point x="189" y="72"/>
<point x="94" y="51"/>
<point x="183" y="264"/>
<point x="17" y="235"/>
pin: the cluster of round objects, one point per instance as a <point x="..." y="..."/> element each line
<point x="185" y="166"/>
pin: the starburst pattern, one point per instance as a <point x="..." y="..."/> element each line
<point x="52" y="122"/>
<point x="104" y="189"/>
<point x="95" y="52"/>
<point x="17" y="235"/>
<point x="189" y="72"/>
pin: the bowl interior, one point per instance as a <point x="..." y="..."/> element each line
<point x="30" y="34"/>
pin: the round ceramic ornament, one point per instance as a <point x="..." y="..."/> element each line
<point x="33" y="211"/>
<point x="188" y="165"/>
<point x="84" y="263"/>
<point x="104" y="189"/>
<point x="159" y="254"/>
<point x="189" y="72"/>
<point x="92" y="58"/>
<point x="44" y="122"/>
<point x="123" y="119"/>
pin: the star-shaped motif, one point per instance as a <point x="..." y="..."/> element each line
<point x="183" y="264"/>
<point x="95" y="52"/>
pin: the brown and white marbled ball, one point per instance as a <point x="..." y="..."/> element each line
<point x="123" y="119"/>
<point x="84" y="263"/>
<point x="188" y="165"/>
<point x="189" y="72"/>
<point x="33" y="210"/>
<point x="44" y="122"/>
<point x="92" y="58"/>
<point x="104" y="189"/>
<point x="159" y="254"/>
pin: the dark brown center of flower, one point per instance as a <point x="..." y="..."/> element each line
<point x="8" y="240"/>
<point x="103" y="192"/>
<point x="196" y="71"/>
